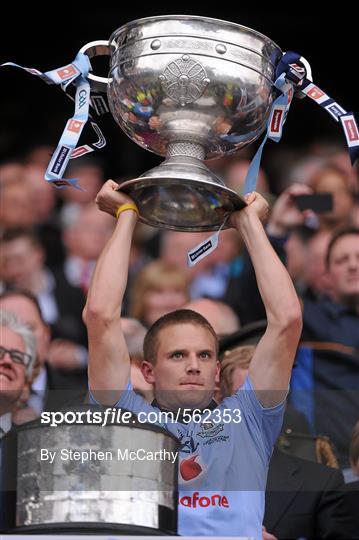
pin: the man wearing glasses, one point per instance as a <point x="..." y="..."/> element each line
<point x="17" y="355"/>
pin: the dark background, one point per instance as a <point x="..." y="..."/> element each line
<point x="50" y="36"/>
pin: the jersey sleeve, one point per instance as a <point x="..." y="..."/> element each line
<point x="263" y="423"/>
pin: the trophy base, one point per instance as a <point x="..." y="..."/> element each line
<point x="182" y="194"/>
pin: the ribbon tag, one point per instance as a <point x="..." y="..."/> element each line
<point x="350" y="130"/>
<point x="294" y="77"/>
<point x="72" y="74"/>
<point x="277" y="118"/>
<point x="295" y="66"/>
<point x="70" y="137"/>
<point x="204" y="248"/>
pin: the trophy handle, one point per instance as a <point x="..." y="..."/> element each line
<point x="92" y="49"/>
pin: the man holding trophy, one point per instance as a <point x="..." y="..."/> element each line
<point x="224" y="449"/>
<point x="192" y="88"/>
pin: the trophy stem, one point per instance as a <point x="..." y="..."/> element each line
<point x="185" y="148"/>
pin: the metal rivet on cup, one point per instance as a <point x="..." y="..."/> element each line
<point x="220" y="48"/>
<point x="156" y="44"/>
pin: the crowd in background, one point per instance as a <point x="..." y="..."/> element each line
<point x="51" y="239"/>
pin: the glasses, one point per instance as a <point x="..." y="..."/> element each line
<point x="16" y="356"/>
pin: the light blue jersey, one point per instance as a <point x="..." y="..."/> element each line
<point x="223" y="463"/>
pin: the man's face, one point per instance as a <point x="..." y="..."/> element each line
<point x="25" y="310"/>
<point x="186" y="369"/>
<point x="12" y="375"/>
<point x="88" y="235"/>
<point x="335" y="183"/>
<point x="20" y="260"/>
<point x="343" y="268"/>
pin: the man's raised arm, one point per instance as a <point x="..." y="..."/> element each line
<point x="272" y="363"/>
<point x="109" y="363"/>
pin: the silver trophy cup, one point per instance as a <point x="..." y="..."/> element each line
<point x="188" y="88"/>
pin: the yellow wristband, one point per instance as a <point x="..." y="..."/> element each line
<point x="127" y="206"/>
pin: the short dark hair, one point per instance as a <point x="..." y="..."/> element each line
<point x="181" y="316"/>
<point x="25" y="294"/>
<point x="347" y="231"/>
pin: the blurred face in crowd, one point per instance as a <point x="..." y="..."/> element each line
<point x="27" y="313"/>
<point x="162" y="300"/>
<point x="89" y="233"/>
<point x="16" y="208"/>
<point x="20" y="261"/>
<point x="40" y="155"/>
<point x="343" y="269"/>
<point x="42" y="193"/>
<point x="12" y="374"/>
<point x="10" y="172"/>
<point x="228" y="248"/>
<point x="157" y="290"/>
<point x="175" y="246"/>
<point x="335" y="182"/>
<point x="90" y="179"/>
<point x="219" y="315"/>
<point x="186" y="367"/>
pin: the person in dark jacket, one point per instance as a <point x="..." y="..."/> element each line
<point x="306" y="500"/>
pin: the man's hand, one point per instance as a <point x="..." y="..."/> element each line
<point x="256" y="205"/>
<point x="109" y="198"/>
<point x="285" y="215"/>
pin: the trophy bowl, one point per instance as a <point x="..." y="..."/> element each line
<point x="189" y="88"/>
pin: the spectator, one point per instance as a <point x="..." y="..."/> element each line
<point x="22" y="266"/>
<point x="42" y="193"/>
<point x="42" y="196"/>
<point x="84" y="238"/>
<point x="212" y="278"/>
<point x="332" y="179"/>
<point x="16" y="209"/>
<point x="158" y="289"/>
<point x="90" y="174"/>
<point x="50" y="387"/>
<point x="11" y="171"/>
<point x="17" y="357"/>
<point x="236" y="352"/>
<point x="174" y="248"/>
<point x="235" y="173"/>
<point x="303" y="499"/>
<point x="211" y="275"/>
<point x="220" y="316"/>
<point x="326" y="377"/>
<point x="305" y="251"/>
